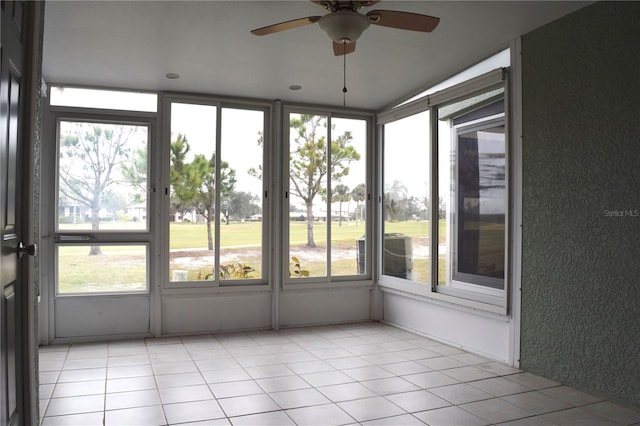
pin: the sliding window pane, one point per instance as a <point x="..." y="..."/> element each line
<point x="308" y="168"/>
<point x="241" y="194"/>
<point x="192" y="195"/>
<point x="102" y="177"/>
<point x="473" y="184"/>
<point x="348" y="194"/>
<point x="406" y="198"/>
<point x="117" y="269"/>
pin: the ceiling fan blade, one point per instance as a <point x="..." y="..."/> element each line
<point x="403" y="20"/>
<point x="340" y="49"/>
<point x="287" y="25"/>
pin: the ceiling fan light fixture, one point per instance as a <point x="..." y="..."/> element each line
<point x="344" y="26"/>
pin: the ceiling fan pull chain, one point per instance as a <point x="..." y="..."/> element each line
<point x="344" y="73"/>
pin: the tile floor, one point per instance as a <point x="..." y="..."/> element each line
<point x="370" y="374"/>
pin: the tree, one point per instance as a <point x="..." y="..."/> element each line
<point x="310" y="162"/>
<point x="340" y="194"/>
<point x="91" y="155"/>
<point x="204" y="173"/>
<point x="184" y="181"/>
<point x="136" y="174"/>
<point x="242" y="204"/>
<point x="358" y="195"/>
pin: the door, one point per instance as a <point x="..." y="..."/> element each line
<point x="12" y="289"/>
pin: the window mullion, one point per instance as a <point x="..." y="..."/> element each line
<point x="216" y="198"/>
<point x="329" y="198"/>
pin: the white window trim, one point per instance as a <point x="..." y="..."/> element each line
<point x="477" y="85"/>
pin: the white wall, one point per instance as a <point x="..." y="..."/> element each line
<point x="481" y="333"/>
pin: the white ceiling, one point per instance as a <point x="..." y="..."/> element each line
<point x="134" y="44"/>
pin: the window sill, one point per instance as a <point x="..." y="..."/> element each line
<point x="424" y="293"/>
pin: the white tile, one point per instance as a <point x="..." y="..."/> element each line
<point x="468" y="374"/>
<point x="441" y="363"/>
<point x="75" y="405"/>
<point x="384" y="358"/>
<point x="460" y="393"/>
<point x="536" y="403"/>
<point x="499" y="386"/>
<point x="268" y="371"/>
<point x="47" y="377"/>
<point x="174" y="367"/>
<point x="185" y="394"/>
<point x="370" y="408"/>
<point x="77" y="364"/>
<point x="251" y="404"/>
<point x="499" y="368"/>
<point x="129" y="371"/>
<point x="127" y="360"/>
<point x="404" y="420"/>
<point x="406" y="367"/>
<point x="275" y="418"/>
<point x="320" y="415"/>
<point x="148" y="416"/>
<point x="390" y="385"/>
<point x="143" y="398"/>
<point x="430" y="380"/>
<point x="45" y="391"/>
<point x="532" y="381"/>
<point x="577" y="416"/>
<point x="131" y="384"/>
<point x="230" y="389"/>
<point x="217" y="364"/>
<point x="326" y="378"/>
<point x="85" y="419"/>
<point x="346" y="392"/>
<point x="82" y="375"/>
<point x="92" y="387"/>
<point x="495" y="410"/>
<point x="299" y="398"/>
<point x="415" y="401"/>
<point x="182" y="379"/>
<point x="450" y="416"/>
<point x="571" y="396"/>
<point x="228" y="375"/>
<point x="309" y="367"/>
<point x="614" y="412"/>
<point x="193" y="411"/>
<point x="347" y="362"/>
<point x="367" y="373"/>
<point x="284" y="383"/>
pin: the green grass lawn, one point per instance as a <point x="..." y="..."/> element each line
<point x="123" y="267"/>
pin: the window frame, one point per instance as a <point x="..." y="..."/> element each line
<point x="61" y="237"/>
<point x="220" y="103"/>
<point x="328" y="281"/>
<point x="466" y="294"/>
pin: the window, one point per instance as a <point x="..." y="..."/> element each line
<point x="216" y="194"/>
<point x="473" y="178"/>
<point x="406" y="199"/>
<point x="456" y="245"/>
<point x="102" y="188"/>
<point x="327" y="197"/>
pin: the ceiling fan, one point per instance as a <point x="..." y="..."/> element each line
<point x="344" y="24"/>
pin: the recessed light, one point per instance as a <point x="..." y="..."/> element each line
<point x="295" y="87"/>
<point x="172" y="75"/>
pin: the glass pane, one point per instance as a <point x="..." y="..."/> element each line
<point x="192" y="202"/>
<point x="102" y="177"/>
<point x="241" y="196"/>
<point x="101" y="269"/>
<point x="103" y="99"/>
<point x="348" y="183"/>
<point x="406" y="198"/>
<point x="473" y="181"/>
<point x="308" y="170"/>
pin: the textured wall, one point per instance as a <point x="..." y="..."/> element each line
<point x="581" y="196"/>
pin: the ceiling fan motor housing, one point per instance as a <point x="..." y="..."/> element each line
<point x="344" y="26"/>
